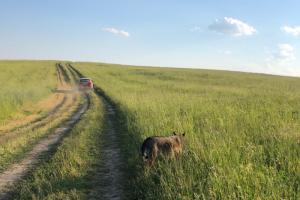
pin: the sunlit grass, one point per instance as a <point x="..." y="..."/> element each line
<point x="70" y="172"/>
<point x="15" y="143"/>
<point x="24" y="83"/>
<point x="242" y="130"/>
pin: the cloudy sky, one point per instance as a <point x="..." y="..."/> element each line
<point x="250" y="35"/>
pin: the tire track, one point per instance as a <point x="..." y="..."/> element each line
<point x="19" y="170"/>
<point x="58" y="73"/>
<point x="114" y="176"/>
<point x="36" y="122"/>
<point x="64" y="108"/>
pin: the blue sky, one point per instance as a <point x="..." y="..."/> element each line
<point x="240" y="35"/>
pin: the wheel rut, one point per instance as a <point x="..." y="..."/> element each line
<point x="114" y="177"/>
<point x="38" y="121"/>
<point x="19" y="170"/>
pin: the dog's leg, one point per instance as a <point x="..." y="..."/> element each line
<point x="153" y="157"/>
<point x="149" y="162"/>
<point x="146" y="165"/>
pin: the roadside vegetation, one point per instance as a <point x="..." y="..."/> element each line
<point x="75" y="167"/>
<point x="242" y="130"/>
<point x="70" y="172"/>
<point x="17" y="140"/>
<point x="24" y="83"/>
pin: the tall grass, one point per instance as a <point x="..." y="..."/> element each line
<point x="16" y="143"/>
<point x="70" y="172"/>
<point x="23" y="83"/>
<point x="242" y="130"/>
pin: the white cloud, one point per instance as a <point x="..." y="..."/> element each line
<point x="225" y="52"/>
<point x="293" y="71"/>
<point x="266" y="50"/>
<point x="231" y="26"/>
<point x="196" y="29"/>
<point x="117" y="32"/>
<point x="268" y="69"/>
<point x="281" y="57"/>
<point x="293" y="31"/>
<point x="285" y="47"/>
<point x="256" y="68"/>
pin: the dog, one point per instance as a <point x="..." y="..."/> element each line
<point x="157" y="145"/>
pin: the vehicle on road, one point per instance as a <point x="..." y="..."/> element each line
<point x="85" y="84"/>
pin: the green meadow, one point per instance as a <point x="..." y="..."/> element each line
<point x="24" y="83"/>
<point x="242" y="130"/>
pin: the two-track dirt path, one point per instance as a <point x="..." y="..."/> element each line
<point x="63" y="110"/>
<point x="19" y="170"/>
<point x="114" y="177"/>
<point x="51" y="105"/>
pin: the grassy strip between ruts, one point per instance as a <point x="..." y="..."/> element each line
<point x="68" y="73"/>
<point x="69" y="173"/>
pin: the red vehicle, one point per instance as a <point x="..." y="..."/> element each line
<point x="85" y="83"/>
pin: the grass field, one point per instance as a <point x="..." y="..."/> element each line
<point x="24" y="83"/>
<point x="242" y="130"/>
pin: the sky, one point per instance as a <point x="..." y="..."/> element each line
<point x="260" y="36"/>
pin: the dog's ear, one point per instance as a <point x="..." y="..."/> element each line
<point x="174" y="133"/>
<point x="183" y="134"/>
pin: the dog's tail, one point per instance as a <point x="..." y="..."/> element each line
<point x="144" y="149"/>
<point x="145" y="155"/>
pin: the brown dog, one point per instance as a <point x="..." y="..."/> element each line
<point x="157" y="145"/>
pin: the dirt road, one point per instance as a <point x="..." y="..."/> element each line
<point x="66" y="110"/>
<point x="114" y="176"/>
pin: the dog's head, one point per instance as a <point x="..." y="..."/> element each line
<point x="181" y="137"/>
